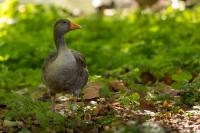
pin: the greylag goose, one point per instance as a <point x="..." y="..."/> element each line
<point x="64" y="70"/>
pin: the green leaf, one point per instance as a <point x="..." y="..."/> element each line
<point x="182" y="76"/>
<point x="134" y="97"/>
<point x="105" y="92"/>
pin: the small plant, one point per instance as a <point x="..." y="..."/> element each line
<point x="132" y="99"/>
<point x="189" y="92"/>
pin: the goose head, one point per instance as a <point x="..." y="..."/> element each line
<point x="63" y="26"/>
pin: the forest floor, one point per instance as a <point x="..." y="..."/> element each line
<point x="99" y="111"/>
<point x="159" y="115"/>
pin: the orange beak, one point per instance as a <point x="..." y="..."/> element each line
<point x="74" y="26"/>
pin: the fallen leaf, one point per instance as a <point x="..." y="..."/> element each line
<point x="198" y="121"/>
<point x="99" y="109"/>
<point x="92" y="91"/>
<point x="168" y="79"/>
<point x="147" y="77"/>
<point x="117" y="85"/>
<point x="146" y="105"/>
<point x="165" y="104"/>
<point x="8" y="123"/>
<point x="168" y="90"/>
<point x="36" y="122"/>
<point x="87" y="117"/>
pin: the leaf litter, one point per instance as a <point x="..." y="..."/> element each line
<point x="102" y="114"/>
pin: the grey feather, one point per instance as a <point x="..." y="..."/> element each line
<point x="66" y="78"/>
<point x="64" y="70"/>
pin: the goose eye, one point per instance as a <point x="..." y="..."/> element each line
<point x="64" y="22"/>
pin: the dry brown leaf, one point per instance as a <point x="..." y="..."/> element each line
<point x="168" y="90"/>
<point x="99" y="109"/>
<point x="92" y="91"/>
<point x="198" y="121"/>
<point x="168" y="79"/>
<point x="87" y="117"/>
<point x="117" y="85"/>
<point x="146" y="105"/>
<point x="147" y="77"/>
<point x="165" y="104"/>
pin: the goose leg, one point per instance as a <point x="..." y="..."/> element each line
<point x="75" y="99"/>
<point x="53" y="98"/>
<point x="75" y="95"/>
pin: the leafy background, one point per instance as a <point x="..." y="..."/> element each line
<point x="162" y="46"/>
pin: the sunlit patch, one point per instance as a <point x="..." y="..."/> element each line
<point x="4" y="6"/>
<point x="163" y="17"/>
<point x="76" y="12"/>
<point x="109" y="12"/>
<point x="87" y="108"/>
<point x="150" y="113"/>
<point x="96" y="3"/>
<point x="177" y="4"/>
<point x="95" y="77"/>
<point x="21" y="8"/>
<point x="93" y="102"/>
<point x="125" y="49"/>
<point x="154" y="29"/>
<point x="4" y="58"/>
<point x="5" y="20"/>
<point x="136" y="69"/>
<point x="63" y="98"/>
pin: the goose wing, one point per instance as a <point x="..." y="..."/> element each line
<point x="82" y="76"/>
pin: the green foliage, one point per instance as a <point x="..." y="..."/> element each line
<point x="138" y="43"/>
<point x="190" y="92"/>
<point x="24" y="130"/>
<point x="25" y="108"/>
<point x="19" y="79"/>
<point x="135" y="127"/>
<point x="105" y="120"/>
<point x="115" y="47"/>
<point x="182" y="77"/>
<point x="130" y="100"/>
<point x="105" y="92"/>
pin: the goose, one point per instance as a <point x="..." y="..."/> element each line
<point x="64" y="70"/>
